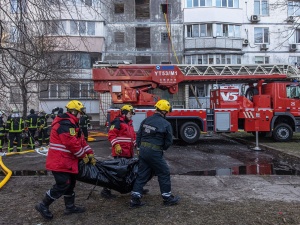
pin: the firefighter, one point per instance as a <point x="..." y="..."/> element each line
<point x="2" y="131"/>
<point x="15" y="128"/>
<point x="31" y="126"/>
<point x="122" y="138"/>
<point x="153" y="137"/>
<point x="67" y="146"/>
<point x="42" y="124"/>
<point x="58" y="110"/>
<point x="84" y="124"/>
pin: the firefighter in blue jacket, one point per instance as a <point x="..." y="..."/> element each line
<point x="154" y="136"/>
<point x="15" y="128"/>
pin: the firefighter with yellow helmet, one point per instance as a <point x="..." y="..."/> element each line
<point x="153" y="137"/>
<point x="67" y="147"/>
<point x="122" y="138"/>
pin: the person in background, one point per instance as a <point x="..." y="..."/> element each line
<point x="84" y="124"/>
<point x="123" y="140"/>
<point x="31" y="125"/>
<point x="58" y="110"/>
<point x="67" y="147"/>
<point x="2" y="131"/>
<point x="15" y="128"/>
<point x="42" y="125"/>
<point x="153" y="137"/>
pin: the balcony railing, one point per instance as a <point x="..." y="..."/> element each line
<point x="214" y="43"/>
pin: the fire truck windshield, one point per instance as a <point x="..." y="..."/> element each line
<point x="293" y="91"/>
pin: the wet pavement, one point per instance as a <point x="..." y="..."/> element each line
<point x="215" y="169"/>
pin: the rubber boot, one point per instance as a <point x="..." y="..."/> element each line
<point x="70" y="207"/>
<point x="106" y="193"/>
<point x="171" y="200"/>
<point x="136" y="202"/>
<point x="43" y="207"/>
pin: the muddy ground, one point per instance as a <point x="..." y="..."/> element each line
<point x="201" y="201"/>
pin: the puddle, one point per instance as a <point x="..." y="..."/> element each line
<point x="254" y="169"/>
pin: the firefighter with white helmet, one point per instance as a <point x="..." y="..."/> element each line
<point x="67" y="147"/>
<point x="153" y="137"/>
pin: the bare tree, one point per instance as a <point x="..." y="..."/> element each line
<point x="31" y="35"/>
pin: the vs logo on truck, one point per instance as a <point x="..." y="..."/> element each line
<point x="229" y="96"/>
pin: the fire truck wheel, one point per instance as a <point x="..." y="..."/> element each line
<point x="251" y="91"/>
<point x="190" y="132"/>
<point x="282" y="132"/>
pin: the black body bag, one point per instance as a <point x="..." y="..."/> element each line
<point x="118" y="174"/>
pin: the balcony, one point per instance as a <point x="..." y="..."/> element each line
<point x="209" y="43"/>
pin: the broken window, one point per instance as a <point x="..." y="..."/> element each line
<point x="142" y="37"/>
<point x="165" y="8"/>
<point x="143" y="59"/>
<point x="142" y="9"/>
<point x="119" y="37"/>
<point x="119" y="8"/>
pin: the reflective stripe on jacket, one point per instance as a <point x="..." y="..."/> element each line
<point x="66" y="147"/>
<point x="122" y="133"/>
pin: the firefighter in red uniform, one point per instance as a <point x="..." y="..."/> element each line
<point x="67" y="147"/>
<point x="122" y="138"/>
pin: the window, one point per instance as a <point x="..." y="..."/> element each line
<point x="82" y="27"/>
<point x="15" y="95"/>
<point x="217" y="3"/>
<point x="206" y="30"/>
<point x="73" y="90"/>
<point x="119" y="8"/>
<point x="262" y="59"/>
<point x="143" y="59"/>
<point x="164" y="38"/>
<point x="72" y="60"/>
<point x="18" y="6"/>
<point x="293" y="91"/>
<point x="55" y="27"/>
<point x="261" y="7"/>
<point x="261" y="35"/>
<point x="165" y="8"/>
<point x="119" y="37"/>
<point x="13" y="34"/>
<point x="142" y="37"/>
<point x="213" y="59"/>
<point x="142" y="9"/>
<point x="293" y="8"/>
<point x="297" y="36"/>
<point x="87" y="2"/>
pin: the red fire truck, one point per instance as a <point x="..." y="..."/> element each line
<point x="270" y="105"/>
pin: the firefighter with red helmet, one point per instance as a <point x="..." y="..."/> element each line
<point x="153" y="137"/>
<point x="122" y="138"/>
<point x="67" y="147"/>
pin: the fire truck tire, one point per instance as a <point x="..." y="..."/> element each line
<point x="251" y="91"/>
<point x="282" y="132"/>
<point x="190" y="132"/>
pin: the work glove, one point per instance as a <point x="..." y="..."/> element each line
<point x="118" y="149"/>
<point x="86" y="159"/>
<point x="92" y="159"/>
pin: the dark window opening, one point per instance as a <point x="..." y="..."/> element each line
<point x="165" y="62"/>
<point x="165" y="8"/>
<point x="119" y="37"/>
<point x="142" y="37"/>
<point x="119" y="8"/>
<point x="142" y="9"/>
<point x="143" y="59"/>
<point x="164" y="38"/>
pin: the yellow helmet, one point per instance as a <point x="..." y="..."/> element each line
<point x="76" y="105"/>
<point x="128" y="108"/>
<point x="163" y="105"/>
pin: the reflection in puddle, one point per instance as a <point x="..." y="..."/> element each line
<point x="254" y="169"/>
